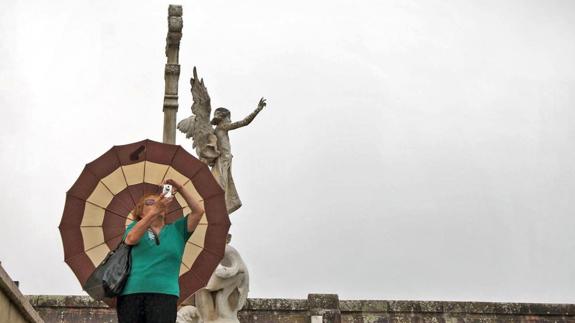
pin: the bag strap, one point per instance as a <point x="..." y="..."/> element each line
<point x="156" y="238"/>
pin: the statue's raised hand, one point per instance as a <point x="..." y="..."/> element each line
<point x="262" y="103"/>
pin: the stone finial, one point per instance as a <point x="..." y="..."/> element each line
<point x="175" y="10"/>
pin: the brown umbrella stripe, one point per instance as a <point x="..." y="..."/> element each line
<point x="99" y="207"/>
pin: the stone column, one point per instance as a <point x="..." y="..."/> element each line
<point x="172" y="72"/>
<point x="324" y="308"/>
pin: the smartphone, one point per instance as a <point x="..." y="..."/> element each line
<point x="167" y="190"/>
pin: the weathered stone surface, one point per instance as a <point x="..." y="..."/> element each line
<point x="325" y="305"/>
<point x="275" y="304"/>
<point x="172" y="69"/>
<point x="81" y="309"/>
<point x="172" y="72"/>
<point x="363" y="306"/>
<point x="279" y="317"/>
<point x="415" y="307"/>
<point x="175" y="24"/>
<point x="77" y="315"/>
<point x="175" y="10"/>
<point x="323" y="301"/>
<point x="65" y="301"/>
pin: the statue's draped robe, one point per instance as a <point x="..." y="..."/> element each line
<point x="222" y="170"/>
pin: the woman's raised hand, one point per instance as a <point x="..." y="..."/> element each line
<point x="176" y="186"/>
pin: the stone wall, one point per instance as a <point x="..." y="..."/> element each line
<point x="14" y="307"/>
<point x="9" y="312"/>
<point x="328" y="308"/>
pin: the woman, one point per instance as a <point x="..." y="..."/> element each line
<point x="151" y="292"/>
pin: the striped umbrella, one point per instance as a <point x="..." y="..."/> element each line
<point x="100" y="203"/>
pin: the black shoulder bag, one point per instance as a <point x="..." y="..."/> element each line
<point x="109" y="278"/>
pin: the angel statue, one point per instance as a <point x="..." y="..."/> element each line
<point x="211" y="140"/>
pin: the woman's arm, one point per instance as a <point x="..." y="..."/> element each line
<point x="197" y="209"/>
<point x="149" y="216"/>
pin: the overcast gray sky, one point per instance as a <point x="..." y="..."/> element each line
<point x="410" y="149"/>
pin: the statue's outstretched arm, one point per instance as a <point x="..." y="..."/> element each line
<point x="247" y="120"/>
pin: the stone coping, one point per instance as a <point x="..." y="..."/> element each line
<point x="275" y="304"/>
<point x="346" y="306"/>
<point x="457" y="307"/>
<point x="69" y="301"/>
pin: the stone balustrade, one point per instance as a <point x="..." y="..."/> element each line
<point x="328" y="308"/>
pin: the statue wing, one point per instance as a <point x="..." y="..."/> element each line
<point x="201" y="106"/>
<point x="187" y="126"/>
<point x="198" y="125"/>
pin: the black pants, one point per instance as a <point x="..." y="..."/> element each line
<point x="147" y="308"/>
